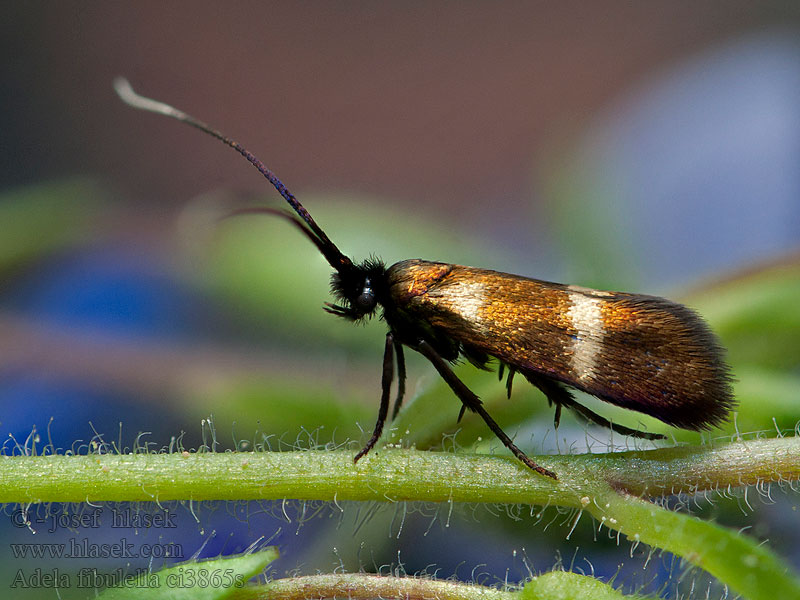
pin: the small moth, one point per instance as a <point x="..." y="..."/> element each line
<point x="639" y="352"/>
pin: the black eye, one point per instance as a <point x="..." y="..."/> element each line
<point x="366" y="299"/>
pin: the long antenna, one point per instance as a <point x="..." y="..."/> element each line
<point x="129" y="96"/>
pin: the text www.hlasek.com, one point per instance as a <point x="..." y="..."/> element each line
<point x="84" y="549"/>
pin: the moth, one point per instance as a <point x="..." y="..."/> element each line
<point x="639" y="352"/>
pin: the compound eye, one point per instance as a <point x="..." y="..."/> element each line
<point x="366" y="299"/>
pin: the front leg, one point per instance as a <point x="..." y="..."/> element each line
<point x="386" y="385"/>
<point x="473" y="403"/>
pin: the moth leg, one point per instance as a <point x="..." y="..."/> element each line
<point x="558" y="395"/>
<point x="555" y="393"/>
<point x="510" y="381"/>
<point x="401" y="377"/>
<point x="471" y="401"/>
<point x="557" y="416"/>
<point x="621" y="429"/>
<point x="500" y="372"/>
<point x="386" y="385"/>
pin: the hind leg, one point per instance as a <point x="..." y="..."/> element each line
<point x="557" y="394"/>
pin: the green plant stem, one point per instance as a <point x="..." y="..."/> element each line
<point x="393" y="474"/>
<point x="357" y="586"/>
<point x="556" y="585"/>
<point x="606" y="485"/>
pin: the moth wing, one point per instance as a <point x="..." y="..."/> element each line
<point x="640" y="352"/>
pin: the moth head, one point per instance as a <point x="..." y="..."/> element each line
<point x="358" y="290"/>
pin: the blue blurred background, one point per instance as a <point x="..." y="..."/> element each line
<point x="652" y="148"/>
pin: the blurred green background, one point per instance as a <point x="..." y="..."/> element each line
<point x="650" y="148"/>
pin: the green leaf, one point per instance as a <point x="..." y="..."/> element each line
<point x="39" y="219"/>
<point x="294" y="413"/>
<point x="756" y="315"/>
<point x="195" y="580"/>
<point x="563" y="585"/>
<point x="739" y="561"/>
<point x="276" y="280"/>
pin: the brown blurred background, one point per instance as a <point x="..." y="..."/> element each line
<point x="443" y="104"/>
